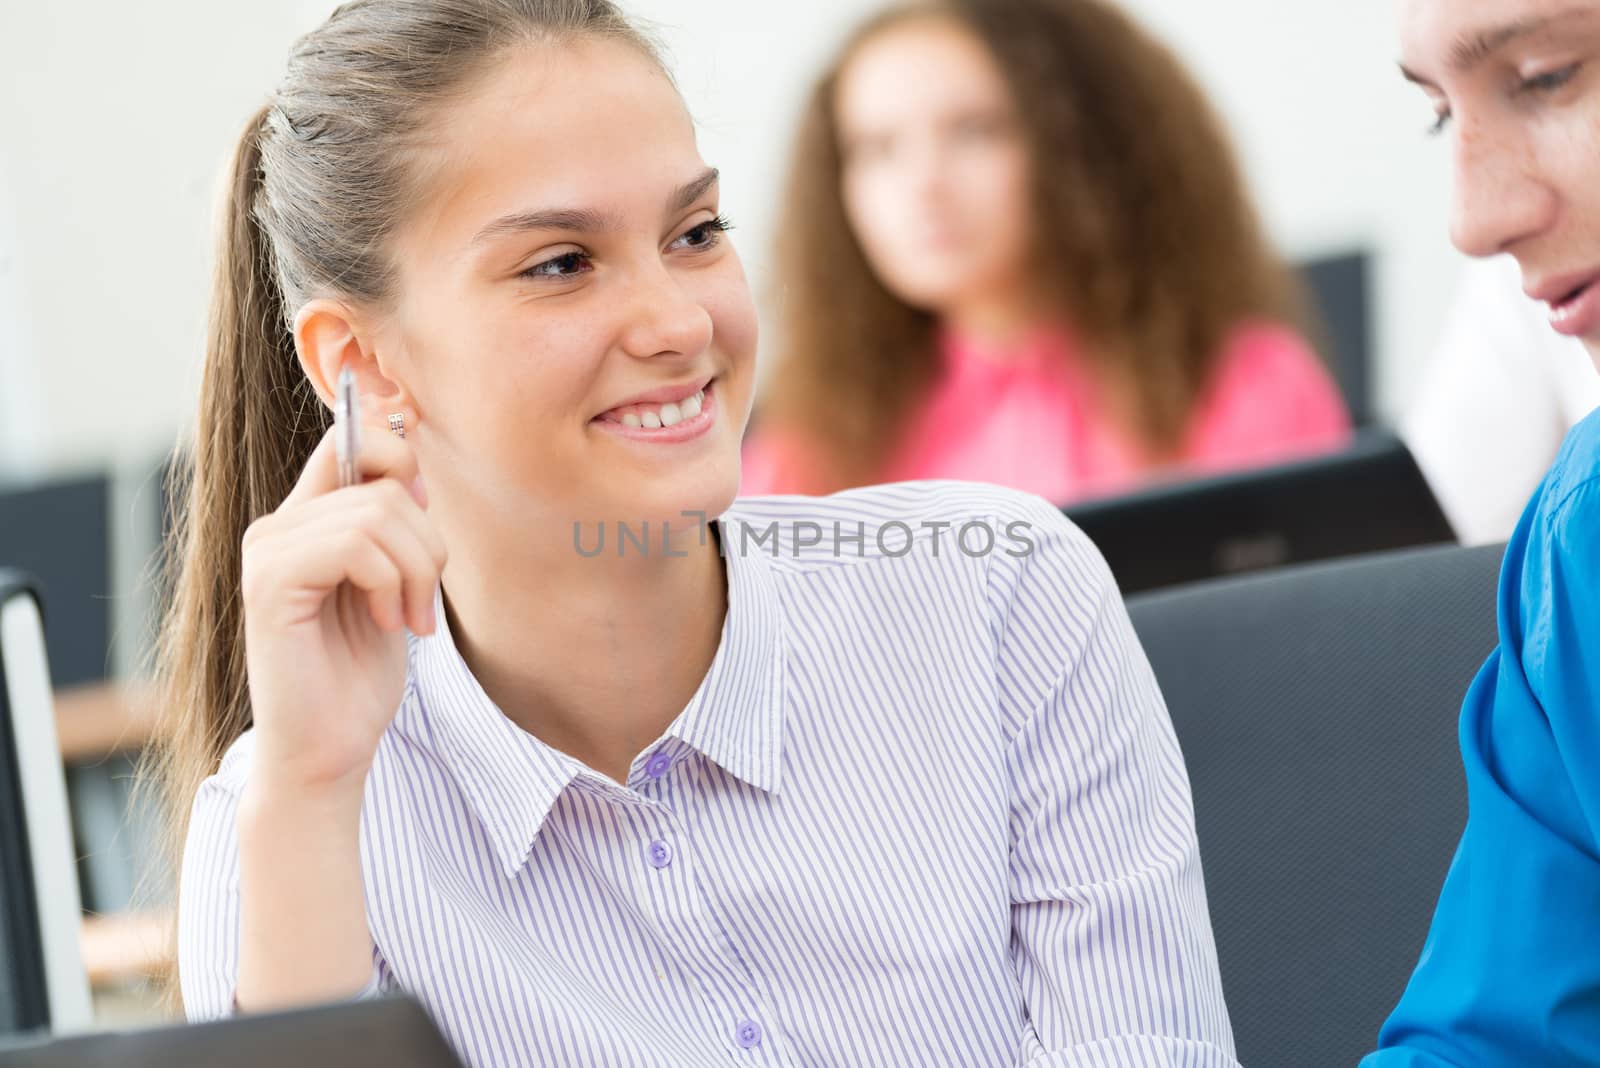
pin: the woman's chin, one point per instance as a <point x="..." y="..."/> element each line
<point x="682" y="500"/>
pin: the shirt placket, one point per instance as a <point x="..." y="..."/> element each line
<point x="684" y="916"/>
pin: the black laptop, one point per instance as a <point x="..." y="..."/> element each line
<point x="386" y="1032"/>
<point x="1367" y="498"/>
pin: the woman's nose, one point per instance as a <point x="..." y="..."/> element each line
<point x="666" y="319"/>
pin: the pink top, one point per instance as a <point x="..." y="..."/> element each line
<point x="1029" y="420"/>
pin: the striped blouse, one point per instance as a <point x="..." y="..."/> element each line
<point x="925" y="808"/>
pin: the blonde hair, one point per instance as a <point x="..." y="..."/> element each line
<point x="322" y="174"/>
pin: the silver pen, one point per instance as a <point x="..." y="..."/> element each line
<point x="347" y="427"/>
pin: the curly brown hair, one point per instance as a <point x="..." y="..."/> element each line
<point x="1142" y="221"/>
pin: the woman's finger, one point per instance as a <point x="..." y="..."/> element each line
<point x="381" y="455"/>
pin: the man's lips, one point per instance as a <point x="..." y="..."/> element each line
<point x="1562" y="289"/>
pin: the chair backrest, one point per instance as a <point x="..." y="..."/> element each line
<point x="1365" y="498"/>
<point x="1317" y="710"/>
<point x="44" y="984"/>
<point x="1339" y="285"/>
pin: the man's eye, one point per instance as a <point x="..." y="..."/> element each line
<point x="1551" y="81"/>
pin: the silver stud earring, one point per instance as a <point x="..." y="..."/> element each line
<point x="397" y="424"/>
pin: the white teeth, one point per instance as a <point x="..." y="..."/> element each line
<point x="667" y="414"/>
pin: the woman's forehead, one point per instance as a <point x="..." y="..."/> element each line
<point x="593" y="125"/>
<point x="871" y="82"/>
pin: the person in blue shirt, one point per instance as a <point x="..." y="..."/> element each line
<point x="1510" y="972"/>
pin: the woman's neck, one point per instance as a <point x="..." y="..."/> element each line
<point x="595" y="656"/>
<point x="995" y="324"/>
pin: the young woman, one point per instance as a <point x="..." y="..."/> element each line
<point x="1017" y="248"/>
<point x="831" y="782"/>
<point x="1510" y="970"/>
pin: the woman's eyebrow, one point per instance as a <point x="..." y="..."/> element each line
<point x="687" y="194"/>
<point x="585" y="220"/>
<point x="581" y="220"/>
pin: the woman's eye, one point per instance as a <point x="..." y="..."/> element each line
<point x="707" y="234"/>
<point x="1440" y="123"/>
<point x="563" y="266"/>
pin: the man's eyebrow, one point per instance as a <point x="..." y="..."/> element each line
<point x="1471" y="49"/>
<point x="584" y="220"/>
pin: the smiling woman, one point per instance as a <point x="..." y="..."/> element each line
<point x="648" y="808"/>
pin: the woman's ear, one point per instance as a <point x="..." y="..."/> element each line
<point x="329" y="336"/>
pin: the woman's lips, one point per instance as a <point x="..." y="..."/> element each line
<point x="687" y="428"/>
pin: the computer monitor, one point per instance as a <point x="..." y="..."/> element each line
<point x="44" y="984"/>
<point x="1369" y="497"/>
<point x="58" y="530"/>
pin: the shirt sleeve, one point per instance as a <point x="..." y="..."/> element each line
<point x="1111" y="937"/>
<point x="208" y="909"/>
<point x="1509" y="973"/>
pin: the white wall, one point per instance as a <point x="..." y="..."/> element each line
<point x="19" y="372"/>
<point x="116" y="119"/>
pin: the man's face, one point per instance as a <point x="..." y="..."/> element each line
<point x="1516" y="86"/>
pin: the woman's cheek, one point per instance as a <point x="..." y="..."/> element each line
<point x="734" y="327"/>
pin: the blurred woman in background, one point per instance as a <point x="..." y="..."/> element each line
<point x="1018" y="249"/>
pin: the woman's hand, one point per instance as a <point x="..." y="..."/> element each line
<point x="330" y="582"/>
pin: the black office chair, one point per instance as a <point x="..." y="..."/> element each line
<point x="1317" y="710"/>
<point x="43" y="984"/>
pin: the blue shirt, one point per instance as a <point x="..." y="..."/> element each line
<point x="925" y="809"/>
<point x="1510" y="973"/>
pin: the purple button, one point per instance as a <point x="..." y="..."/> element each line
<point x="657" y="765"/>
<point x="660" y="854"/>
<point x="748" y="1035"/>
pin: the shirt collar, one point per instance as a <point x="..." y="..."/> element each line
<point x="735" y="717"/>
<point x="512" y="780"/>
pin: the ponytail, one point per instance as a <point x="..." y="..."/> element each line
<point x="318" y="181"/>
<point x="258" y="422"/>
